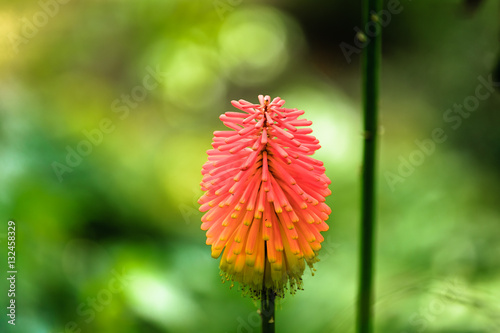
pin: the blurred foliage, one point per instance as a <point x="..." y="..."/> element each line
<point x="107" y="109"/>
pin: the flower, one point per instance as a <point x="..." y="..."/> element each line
<point x="265" y="197"/>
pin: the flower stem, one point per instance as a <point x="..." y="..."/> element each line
<point x="267" y="310"/>
<point x="371" y="70"/>
<point x="267" y="302"/>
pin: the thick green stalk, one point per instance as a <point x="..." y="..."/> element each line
<point x="267" y="310"/>
<point x="267" y="301"/>
<point x="371" y="73"/>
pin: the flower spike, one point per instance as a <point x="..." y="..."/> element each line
<point x="264" y="197"/>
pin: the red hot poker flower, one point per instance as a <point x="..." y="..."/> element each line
<point x="265" y="196"/>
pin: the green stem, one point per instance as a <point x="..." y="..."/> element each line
<point x="267" y="302"/>
<point x="371" y="72"/>
<point x="267" y="310"/>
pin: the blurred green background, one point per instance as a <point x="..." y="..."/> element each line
<point x="106" y="111"/>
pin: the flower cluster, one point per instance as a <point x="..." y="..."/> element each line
<point x="264" y="196"/>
